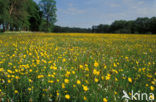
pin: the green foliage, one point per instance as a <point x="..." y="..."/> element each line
<point x="58" y="29"/>
<point x="140" y="25"/>
<point x="17" y="15"/>
<point x="48" y="8"/>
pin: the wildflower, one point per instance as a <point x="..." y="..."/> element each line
<point x="130" y="80"/>
<point x="152" y="88"/>
<point x="64" y="60"/>
<point x="29" y="89"/>
<point x="74" y="85"/>
<point x="116" y="79"/>
<point x="151" y="97"/>
<point x="147" y="85"/>
<point x="104" y="100"/>
<point x="67" y="96"/>
<point x="1" y="69"/>
<point x="73" y="72"/>
<point x="63" y="86"/>
<point x="9" y="81"/>
<point x="57" y="93"/>
<point x="96" y="64"/>
<point x="9" y="71"/>
<point x="105" y="66"/>
<point x="115" y="65"/>
<point x="108" y="76"/>
<point x="96" y="80"/>
<point x="66" y="81"/>
<point x="81" y="66"/>
<point x="30" y="70"/>
<point x="30" y="80"/>
<point x="40" y="76"/>
<point x="102" y="77"/>
<point x="15" y="91"/>
<point x="17" y="77"/>
<point x="50" y="81"/>
<point x="78" y="82"/>
<point x="95" y="72"/>
<point x="115" y="92"/>
<point x="30" y="54"/>
<point x="85" y="98"/>
<point x="85" y="88"/>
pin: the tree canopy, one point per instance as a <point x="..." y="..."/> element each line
<point x="27" y="15"/>
<point x="142" y="25"/>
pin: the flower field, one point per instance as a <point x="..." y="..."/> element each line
<point x="76" y="67"/>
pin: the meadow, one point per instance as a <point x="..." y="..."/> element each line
<point x="76" y="67"/>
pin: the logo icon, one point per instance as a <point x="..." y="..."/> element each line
<point x="137" y="96"/>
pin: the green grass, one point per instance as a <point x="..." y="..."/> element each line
<point x="37" y="65"/>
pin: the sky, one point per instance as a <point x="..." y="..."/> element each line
<point x="85" y="13"/>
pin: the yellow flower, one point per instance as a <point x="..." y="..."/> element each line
<point x="105" y="66"/>
<point x="115" y="93"/>
<point x="30" y="80"/>
<point x="30" y="70"/>
<point x="73" y="72"/>
<point x="85" y="98"/>
<point x="152" y="88"/>
<point x="17" y="77"/>
<point x="9" y="81"/>
<point x="15" y="91"/>
<point x="115" y="65"/>
<point x="63" y="86"/>
<point x="40" y="76"/>
<point x="102" y="77"/>
<point x="96" y="80"/>
<point x="66" y="81"/>
<point x="81" y="66"/>
<point x="0" y="90"/>
<point x="67" y="96"/>
<point x="74" y="85"/>
<point x="78" y="82"/>
<point x="96" y="64"/>
<point x="151" y="97"/>
<point x="130" y="80"/>
<point x="57" y="94"/>
<point x="95" y="72"/>
<point x="116" y="79"/>
<point x="85" y="88"/>
<point x="9" y="71"/>
<point x="104" y="100"/>
<point x="63" y="60"/>
<point x="1" y="69"/>
<point x="29" y="89"/>
<point x="108" y="76"/>
<point x="50" y="81"/>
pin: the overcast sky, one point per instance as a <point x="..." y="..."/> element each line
<point x="85" y="13"/>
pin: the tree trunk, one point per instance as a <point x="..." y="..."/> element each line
<point x="47" y="24"/>
<point x="7" y="28"/>
<point x="3" y="28"/>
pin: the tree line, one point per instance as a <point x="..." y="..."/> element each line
<point x="59" y="29"/>
<point x="142" y="25"/>
<point x="27" y="15"/>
